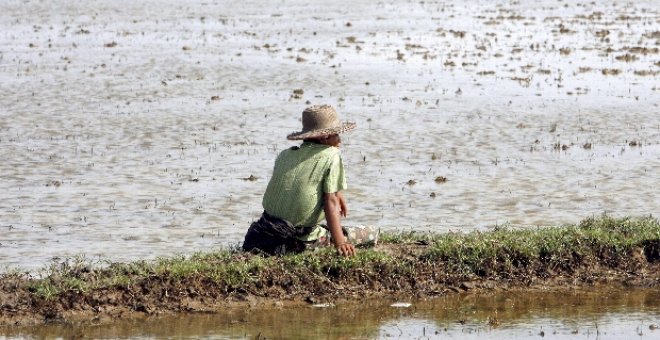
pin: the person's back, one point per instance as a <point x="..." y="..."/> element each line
<point x="302" y="174"/>
<point x="306" y="187"/>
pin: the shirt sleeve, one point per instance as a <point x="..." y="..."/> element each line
<point x="335" y="180"/>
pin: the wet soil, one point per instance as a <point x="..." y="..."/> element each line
<point x="560" y="314"/>
<point x="164" y="294"/>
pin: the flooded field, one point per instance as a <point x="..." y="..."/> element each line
<point x="594" y="314"/>
<point x="131" y="130"/>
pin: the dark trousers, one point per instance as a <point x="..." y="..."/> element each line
<point x="274" y="236"/>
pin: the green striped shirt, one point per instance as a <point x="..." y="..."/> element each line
<point x="300" y="178"/>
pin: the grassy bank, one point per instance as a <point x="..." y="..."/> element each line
<point x="404" y="263"/>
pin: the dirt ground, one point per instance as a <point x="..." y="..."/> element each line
<point x="153" y="295"/>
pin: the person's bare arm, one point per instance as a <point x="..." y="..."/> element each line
<point x="332" y="206"/>
<point x="343" y="211"/>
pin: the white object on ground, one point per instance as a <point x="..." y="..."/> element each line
<point x="401" y="305"/>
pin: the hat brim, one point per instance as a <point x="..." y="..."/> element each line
<point x="345" y="127"/>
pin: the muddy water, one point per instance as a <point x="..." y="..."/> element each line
<point x="130" y="129"/>
<point x="583" y="314"/>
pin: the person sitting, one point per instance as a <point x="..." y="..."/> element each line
<point x="305" y="188"/>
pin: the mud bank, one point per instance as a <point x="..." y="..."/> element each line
<point x="602" y="251"/>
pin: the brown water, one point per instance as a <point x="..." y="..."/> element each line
<point x="128" y="128"/>
<point x="582" y="314"/>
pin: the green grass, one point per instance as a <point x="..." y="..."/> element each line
<point x="499" y="253"/>
<point x="604" y="240"/>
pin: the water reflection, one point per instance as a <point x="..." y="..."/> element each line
<point x="577" y="314"/>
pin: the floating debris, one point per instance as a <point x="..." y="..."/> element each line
<point x="297" y="94"/>
<point x="602" y="33"/>
<point x="626" y="57"/>
<point x="458" y="34"/>
<point x="610" y="71"/>
<point x="54" y="183"/>
<point x="645" y="73"/>
<point x="564" y="30"/>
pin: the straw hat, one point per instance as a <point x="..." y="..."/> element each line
<point x="319" y="121"/>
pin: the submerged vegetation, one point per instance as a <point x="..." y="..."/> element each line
<point x="414" y="263"/>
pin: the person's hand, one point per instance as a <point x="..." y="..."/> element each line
<point x="346" y="249"/>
